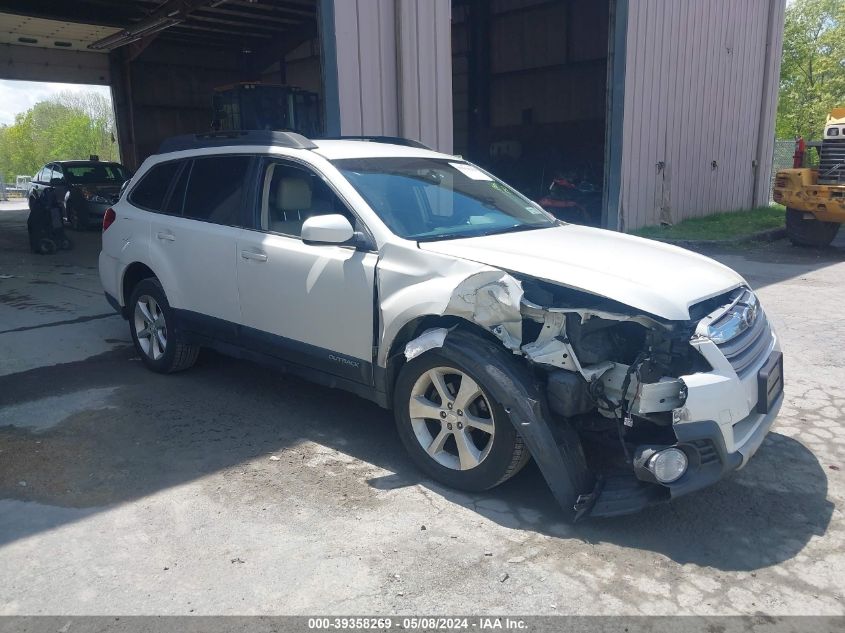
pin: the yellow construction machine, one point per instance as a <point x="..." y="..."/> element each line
<point x="815" y="197"/>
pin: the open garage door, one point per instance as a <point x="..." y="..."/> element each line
<point x="530" y="95"/>
<point x="166" y="59"/>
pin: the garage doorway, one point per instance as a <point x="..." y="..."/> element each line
<point x="41" y="122"/>
<point x="175" y="67"/>
<point x="530" y="98"/>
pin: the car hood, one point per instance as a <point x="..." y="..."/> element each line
<point x="651" y="276"/>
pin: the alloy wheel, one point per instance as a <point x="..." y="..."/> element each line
<point x="452" y="418"/>
<point x="150" y="327"/>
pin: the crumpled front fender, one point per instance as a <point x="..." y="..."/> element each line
<point x="555" y="447"/>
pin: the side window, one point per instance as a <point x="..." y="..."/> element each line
<point x="176" y="201"/>
<point x="42" y="175"/>
<point x="291" y="194"/>
<point x="216" y="189"/>
<point x="150" y="192"/>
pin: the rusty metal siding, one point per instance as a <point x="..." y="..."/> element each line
<point x="700" y="95"/>
<point x="391" y="61"/>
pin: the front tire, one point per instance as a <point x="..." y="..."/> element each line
<point x="813" y="233"/>
<point x="452" y="428"/>
<point x="151" y="322"/>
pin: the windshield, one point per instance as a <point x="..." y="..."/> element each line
<point x="95" y="173"/>
<point x="428" y="199"/>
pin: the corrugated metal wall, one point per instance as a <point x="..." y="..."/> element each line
<point x="700" y="96"/>
<point x="390" y="61"/>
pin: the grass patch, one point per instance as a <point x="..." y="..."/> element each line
<point x="721" y="226"/>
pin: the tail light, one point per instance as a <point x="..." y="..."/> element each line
<point x="109" y="217"/>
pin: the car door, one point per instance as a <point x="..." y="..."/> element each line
<point x="193" y="242"/>
<point x="309" y="304"/>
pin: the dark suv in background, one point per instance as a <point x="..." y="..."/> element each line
<point x="84" y="189"/>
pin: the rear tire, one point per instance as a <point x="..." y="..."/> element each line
<point x="151" y="321"/>
<point x="812" y="233"/>
<point x="467" y="442"/>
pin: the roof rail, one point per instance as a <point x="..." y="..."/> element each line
<point x="235" y="137"/>
<point x="391" y="140"/>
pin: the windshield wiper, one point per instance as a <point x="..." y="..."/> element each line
<point x="515" y="229"/>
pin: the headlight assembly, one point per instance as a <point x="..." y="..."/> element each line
<point x="738" y="317"/>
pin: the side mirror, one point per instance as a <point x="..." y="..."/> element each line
<point x="327" y="229"/>
<point x="57" y="182"/>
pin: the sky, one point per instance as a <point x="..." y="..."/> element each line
<point x="20" y="96"/>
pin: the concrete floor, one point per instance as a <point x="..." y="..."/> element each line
<point x="230" y="489"/>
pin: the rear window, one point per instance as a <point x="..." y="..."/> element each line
<point x="95" y="173"/>
<point x="149" y="194"/>
<point x="216" y="190"/>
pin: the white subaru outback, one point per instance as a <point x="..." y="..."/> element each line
<point x="630" y="371"/>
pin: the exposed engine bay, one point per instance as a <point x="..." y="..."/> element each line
<point x="609" y="371"/>
<point x="623" y="402"/>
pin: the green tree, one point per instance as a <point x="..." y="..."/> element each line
<point x="812" y="76"/>
<point x="68" y="126"/>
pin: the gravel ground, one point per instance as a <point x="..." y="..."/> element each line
<point x="231" y="489"/>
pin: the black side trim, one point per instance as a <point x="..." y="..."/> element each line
<point x="313" y="375"/>
<point x="314" y="363"/>
<point x="319" y="358"/>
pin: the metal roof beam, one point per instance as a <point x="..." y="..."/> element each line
<point x="169" y="14"/>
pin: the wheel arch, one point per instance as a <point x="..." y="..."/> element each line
<point x="555" y="447"/>
<point x="134" y="273"/>
<point x="412" y="329"/>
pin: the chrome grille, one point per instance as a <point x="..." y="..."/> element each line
<point x="832" y="162"/>
<point x="747" y="349"/>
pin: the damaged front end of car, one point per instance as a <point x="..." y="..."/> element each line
<point x="659" y="407"/>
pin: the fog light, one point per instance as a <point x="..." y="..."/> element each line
<point x="668" y="465"/>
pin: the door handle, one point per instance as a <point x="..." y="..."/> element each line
<point x="256" y="256"/>
<point x="166" y="236"/>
